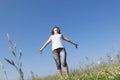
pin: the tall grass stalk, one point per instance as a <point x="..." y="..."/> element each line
<point x="17" y="64"/>
<point x="3" y="69"/>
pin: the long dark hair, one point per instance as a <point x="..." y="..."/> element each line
<point x="52" y="33"/>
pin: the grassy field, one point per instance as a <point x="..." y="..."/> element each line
<point x="105" y="70"/>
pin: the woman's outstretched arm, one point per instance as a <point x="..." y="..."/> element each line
<point x="47" y="42"/>
<point x="68" y="40"/>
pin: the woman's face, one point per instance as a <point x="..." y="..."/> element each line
<point x="56" y="30"/>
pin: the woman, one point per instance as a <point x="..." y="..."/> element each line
<point x="58" y="50"/>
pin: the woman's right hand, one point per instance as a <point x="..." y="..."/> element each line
<point x="41" y="51"/>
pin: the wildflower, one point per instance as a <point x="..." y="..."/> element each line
<point x="98" y="62"/>
<point x="111" y="77"/>
<point x="119" y="73"/>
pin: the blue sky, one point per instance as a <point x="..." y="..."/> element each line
<point x="93" y="24"/>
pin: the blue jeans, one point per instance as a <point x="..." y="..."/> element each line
<point x="59" y="56"/>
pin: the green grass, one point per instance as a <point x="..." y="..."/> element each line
<point x="109" y="70"/>
<point x="105" y="72"/>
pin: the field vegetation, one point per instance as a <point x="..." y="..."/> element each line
<point x="108" y="69"/>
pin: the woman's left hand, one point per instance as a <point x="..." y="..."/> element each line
<point x="76" y="45"/>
